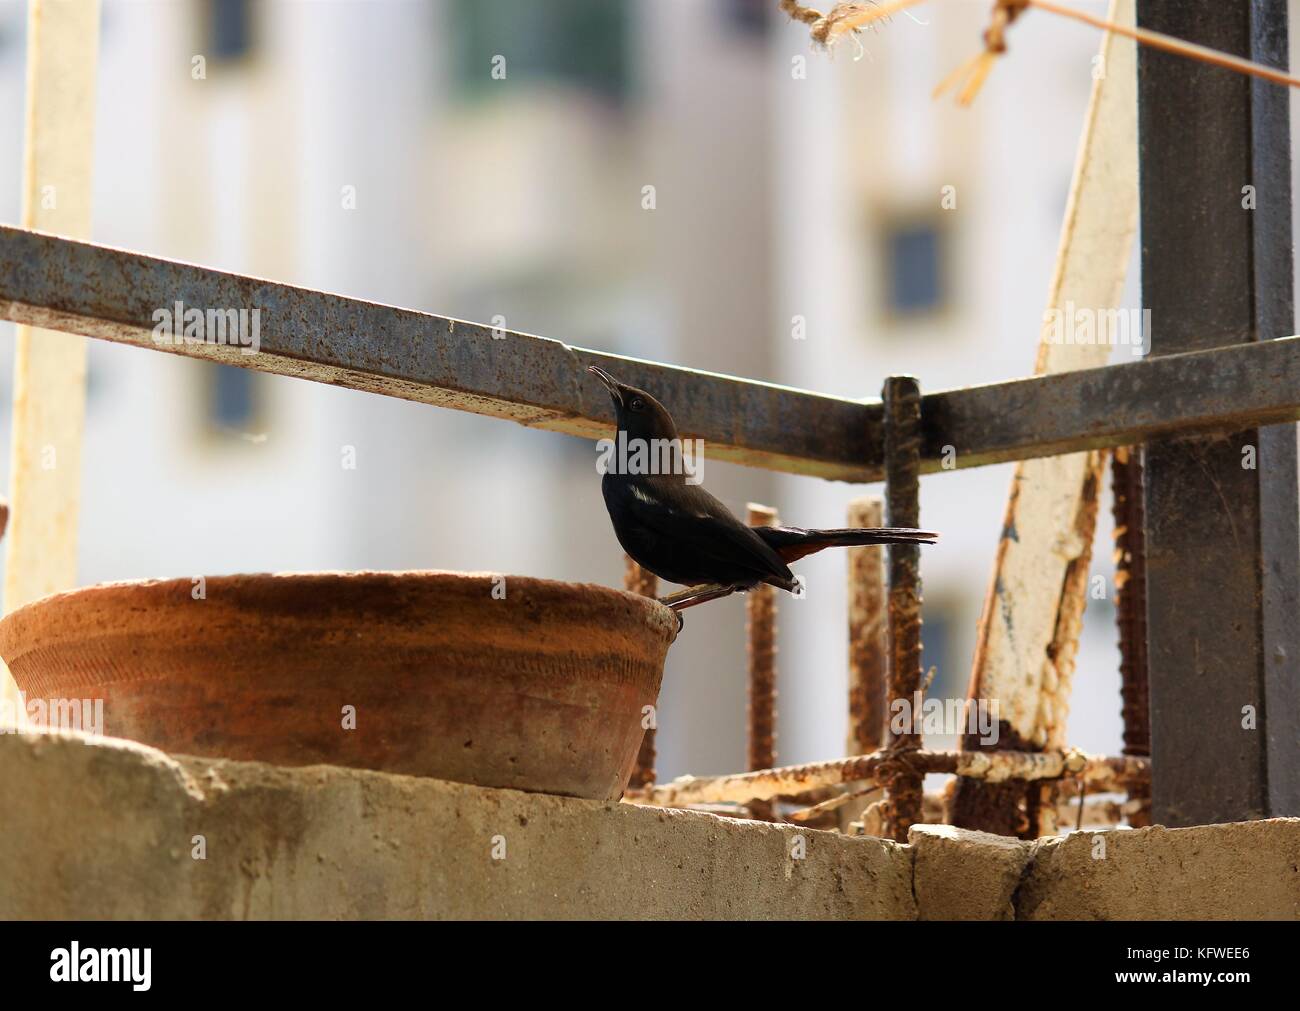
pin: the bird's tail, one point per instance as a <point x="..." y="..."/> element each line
<point x="792" y="543"/>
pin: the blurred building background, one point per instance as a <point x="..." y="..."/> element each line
<point x="368" y="148"/>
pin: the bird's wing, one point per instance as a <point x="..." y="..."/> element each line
<point x="688" y="515"/>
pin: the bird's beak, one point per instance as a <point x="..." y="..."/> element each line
<point x="609" y="382"/>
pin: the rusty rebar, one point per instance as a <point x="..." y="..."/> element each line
<point x="902" y="416"/>
<point x="1102" y="774"/>
<point x="818" y="811"/>
<point x="638" y="580"/>
<point x="760" y="620"/>
<point x="1131" y="613"/>
<point x="1130" y="598"/>
<point x="1099" y="813"/>
<point x="867" y="640"/>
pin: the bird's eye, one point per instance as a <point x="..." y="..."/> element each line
<point x="638" y="404"/>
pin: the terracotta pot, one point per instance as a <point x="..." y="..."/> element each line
<point x="542" y="690"/>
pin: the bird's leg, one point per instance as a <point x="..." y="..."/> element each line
<point x="693" y="595"/>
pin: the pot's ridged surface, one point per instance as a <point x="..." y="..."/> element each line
<point x="542" y="690"/>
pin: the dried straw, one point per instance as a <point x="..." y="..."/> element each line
<point x="847" y="19"/>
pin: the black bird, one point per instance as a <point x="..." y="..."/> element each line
<point x="681" y="533"/>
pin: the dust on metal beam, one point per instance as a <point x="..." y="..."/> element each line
<point x="110" y="294"/>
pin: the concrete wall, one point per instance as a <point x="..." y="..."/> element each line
<point x="104" y="829"/>
<point x="100" y="828"/>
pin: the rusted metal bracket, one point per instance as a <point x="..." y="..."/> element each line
<point x="113" y="295"/>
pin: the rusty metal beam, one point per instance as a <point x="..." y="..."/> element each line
<point x="1223" y="390"/>
<point x="110" y="294"/>
<point x="1222" y="527"/>
<point x="113" y="295"/>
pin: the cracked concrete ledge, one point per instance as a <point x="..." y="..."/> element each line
<point x="964" y="875"/>
<point x="101" y="828"/>
<point x="1239" y="871"/>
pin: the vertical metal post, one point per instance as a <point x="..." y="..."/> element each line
<point x="902" y="397"/>
<point x="1223" y="545"/>
<point x="760" y="616"/>
<point x="638" y="580"/>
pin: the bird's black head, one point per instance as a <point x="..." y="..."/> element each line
<point x="640" y="415"/>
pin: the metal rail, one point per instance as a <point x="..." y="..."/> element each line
<point x="113" y="295"/>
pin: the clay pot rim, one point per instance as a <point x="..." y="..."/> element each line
<point x="428" y="654"/>
<point x="428" y="577"/>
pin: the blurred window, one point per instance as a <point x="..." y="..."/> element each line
<point x="914" y="266"/>
<point x="750" y="17"/>
<point x="232" y="396"/>
<point x="229" y="28"/>
<point x="11" y="32"/>
<point x="936" y="651"/>
<point x="583" y="43"/>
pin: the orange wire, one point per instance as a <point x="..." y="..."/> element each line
<point x="1159" y="40"/>
<point x="978" y="68"/>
